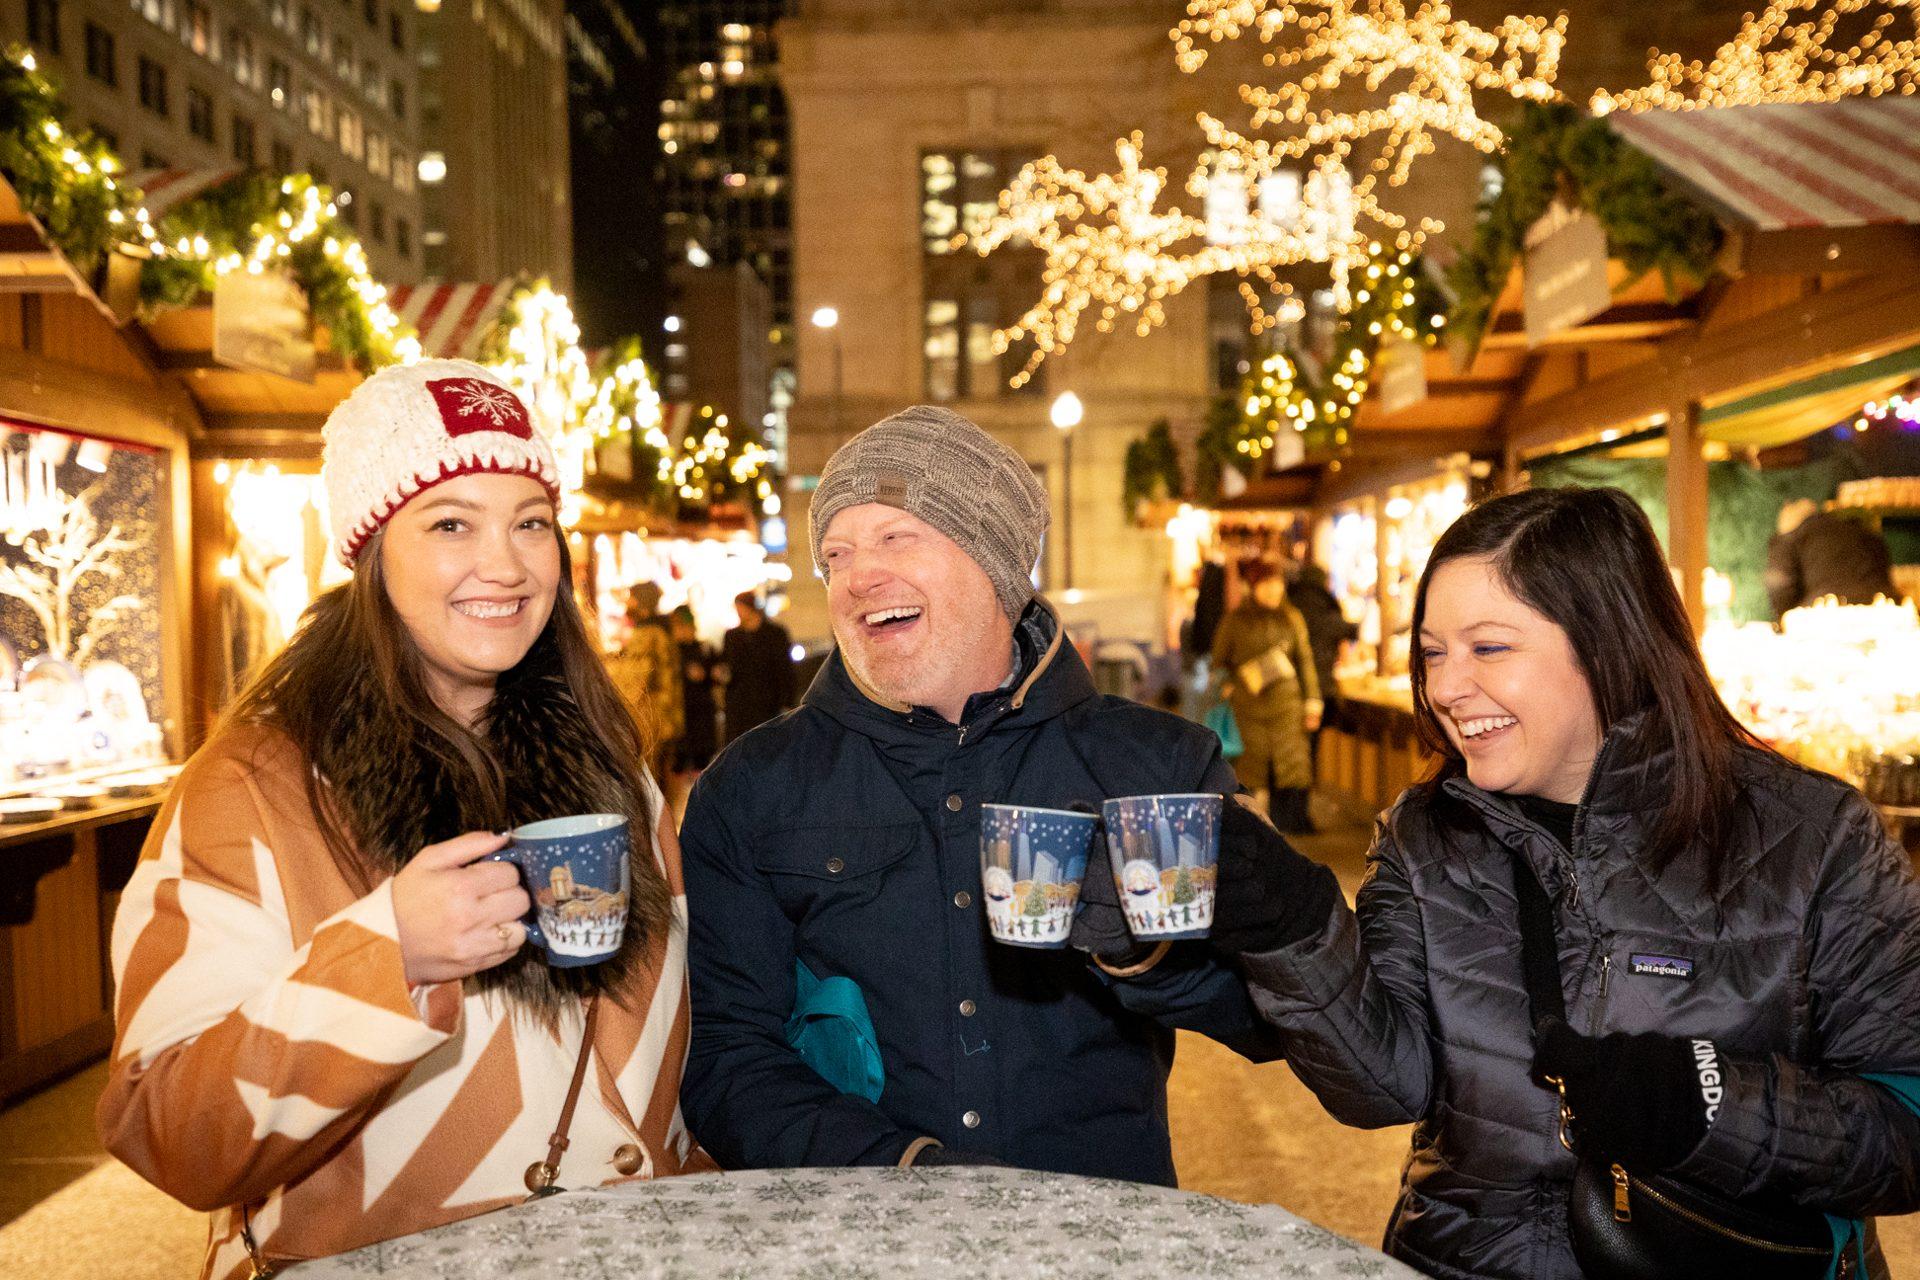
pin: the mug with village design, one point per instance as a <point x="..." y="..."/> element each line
<point x="1164" y="851"/>
<point x="576" y="873"/>
<point x="1031" y="862"/>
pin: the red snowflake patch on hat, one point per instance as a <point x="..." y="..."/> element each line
<point x="468" y="405"/>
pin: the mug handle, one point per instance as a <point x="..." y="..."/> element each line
<point x="530" y="921"/>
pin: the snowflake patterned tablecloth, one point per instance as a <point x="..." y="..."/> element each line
<point x="870" y="1224"/>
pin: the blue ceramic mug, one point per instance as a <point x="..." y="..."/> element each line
<point x="575" y="870"/>
<point x="1164" y="850"/>
<point x="1031" y="862"/>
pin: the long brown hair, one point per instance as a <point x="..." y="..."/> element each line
<point x="1588" y="561"/>
<point x="352" y="649"/>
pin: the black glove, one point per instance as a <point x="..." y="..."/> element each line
<point x="1269" y="896"/>
<point x="937" y="1157"/>
<point x="1099" y="925"/>
<point x="1644" y="1100"/>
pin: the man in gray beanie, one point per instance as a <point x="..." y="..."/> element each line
<point x="842" y="841"/>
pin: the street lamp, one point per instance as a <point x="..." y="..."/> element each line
<point x="1065" y="415"/>
<point x="828" y="319"/>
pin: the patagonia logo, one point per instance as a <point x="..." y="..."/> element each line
<point x="1707" y="1062"/>
<point x="1663" y="966"/>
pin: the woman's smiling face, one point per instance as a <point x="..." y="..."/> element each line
<point x="473" y="568"/>
<point x="1506" y="686"/>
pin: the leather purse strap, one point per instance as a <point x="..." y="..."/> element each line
<point x="541" y="1174"/>
<point x="1539" y="945"/>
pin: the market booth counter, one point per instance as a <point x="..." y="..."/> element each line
<point x="1370" y="753"/>
<point x="92" y="702"/>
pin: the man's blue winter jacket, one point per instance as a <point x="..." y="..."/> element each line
<point x="846" y="834"/>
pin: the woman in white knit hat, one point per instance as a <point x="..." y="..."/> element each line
<point x="331" y="1029"/>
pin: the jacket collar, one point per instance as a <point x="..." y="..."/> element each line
<point x="1627" y="780"/>
<point x="1626" y="791"/>
<point x="1051" y="678"/>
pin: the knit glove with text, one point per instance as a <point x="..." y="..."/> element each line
<point x="1645" y="1100"/>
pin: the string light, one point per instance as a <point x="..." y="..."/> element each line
<point x="1279" y="395"/>
<point x="1792" y="51"/>
<point x="1109" y="246"/>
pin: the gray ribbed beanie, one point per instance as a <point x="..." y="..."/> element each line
<point x="937" y="465"/>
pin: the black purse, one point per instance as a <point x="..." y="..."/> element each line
<point x="1633" y="1226"/>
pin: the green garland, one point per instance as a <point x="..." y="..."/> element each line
<point x="1214" y="449"/>
<point x="1394" y="296"/>
<point x="64" y="179"/>
<point x="232" y="218"/>
<point x="1153" y="471"/>
<point x="1648" y="226"/>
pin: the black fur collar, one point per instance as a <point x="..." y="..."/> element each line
<point x="398" y="788"/>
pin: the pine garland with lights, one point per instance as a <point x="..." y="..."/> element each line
<point x="626" y="404"/>
<point x="713" y="464"/>
<point x="1554" y="149"/>
<point x="1393" y="297"/>
<point x="1153" y="472"/>
<point x="255" y="222"/>
<point x="66" y="179"/>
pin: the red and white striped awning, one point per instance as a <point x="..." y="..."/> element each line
<point x="163" y="190"/>
<point x="451" y="319"/>
<point x="1852" y="163"/>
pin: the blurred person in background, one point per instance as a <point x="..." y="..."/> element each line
<point x="1327" y="630"/>
<point x="699" y="710"/>
<point x="647" y="673"/>
<point x="1263" y="664"/>
<point x="757" y="658"/>
<point x="1818" y="553"/>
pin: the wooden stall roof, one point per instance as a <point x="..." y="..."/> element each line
<point x="29" y="261"/>
<point x="243" y="408"/>
<point x="1816" y="302"/>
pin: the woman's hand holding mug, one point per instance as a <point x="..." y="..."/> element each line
<point x="455" y="915"/>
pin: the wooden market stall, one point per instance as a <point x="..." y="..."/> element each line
<point x="1812" y="309"/>
<point x="95" y="686"/>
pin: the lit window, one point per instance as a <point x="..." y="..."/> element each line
<point x="433" y="167"/>
<point x="353" y="139"/>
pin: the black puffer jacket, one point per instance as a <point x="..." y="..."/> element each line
<point x="1804" y="967"/>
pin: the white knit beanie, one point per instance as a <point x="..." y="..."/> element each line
<point x="410" y="427"/>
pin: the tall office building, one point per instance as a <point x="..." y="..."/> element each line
<point x="619" y="253"/>
<point x="287" y="85"/>
<point x="493" y="137"/>
<point x="723" y="140"/>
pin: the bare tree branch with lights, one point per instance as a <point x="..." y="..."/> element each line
<point x="1414" y="74"/>
<point x="1792" y="51"/>
<point x="1107" y="244"/>
<point x="59" y="559"/>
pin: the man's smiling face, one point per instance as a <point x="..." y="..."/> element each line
<point x="916" y="619"/>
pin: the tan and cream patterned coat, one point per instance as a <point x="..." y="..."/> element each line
<point x="271" y="1059"/>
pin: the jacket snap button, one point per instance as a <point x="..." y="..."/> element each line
<point x="971" y="1119"/>
<point x="627" y="1159"/>
<point x="953" y="803"/>
<point x="966" y="1008"/>
<point x="835" y="866"/>
<point x="963" y="899"/>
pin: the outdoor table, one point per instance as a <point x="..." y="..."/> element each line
<point x="870" y="1224"/>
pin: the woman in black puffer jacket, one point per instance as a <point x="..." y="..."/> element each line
<point x="1703" y="888"/>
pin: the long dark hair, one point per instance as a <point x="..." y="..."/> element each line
<point x="352" y="650"/>
<point x="1588" y="561"/>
